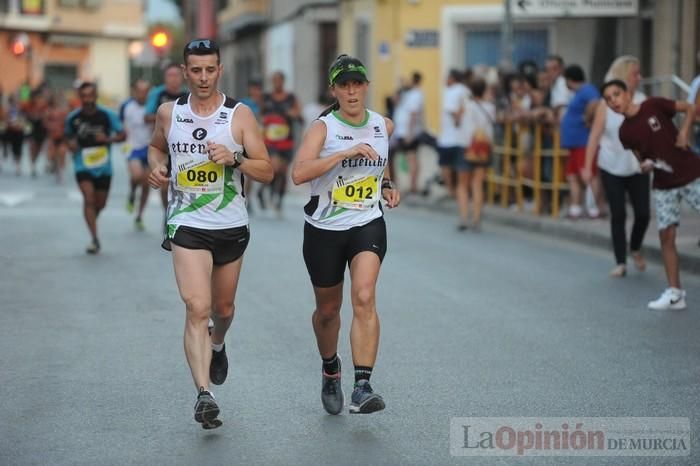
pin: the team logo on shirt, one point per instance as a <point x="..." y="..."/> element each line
<point x="344" y="138"/>
<point x="654" y="123"/>
<point x="378" y="132"/>
<point x="199" y="134"/>
<point x="179" y="119"/>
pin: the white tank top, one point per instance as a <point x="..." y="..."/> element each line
<point x="203" y="194"/>
<point x="349" y="194"/>
<point x="612" y="157"/>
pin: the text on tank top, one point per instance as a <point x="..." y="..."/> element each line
<point x="204" y="194"/>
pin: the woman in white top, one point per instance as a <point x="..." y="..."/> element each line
<point x="344" y="156"/>
<point x="619" y="168"/>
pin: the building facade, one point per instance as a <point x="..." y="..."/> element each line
<point x="397" y="37"/>
<point x="69" y="40"/>
<point x="296" y="37"/>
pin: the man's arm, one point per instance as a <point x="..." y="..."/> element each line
<point x="684" y="130"/>
<point x="158" y="148"/>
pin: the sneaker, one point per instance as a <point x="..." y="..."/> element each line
<point x="138" y="224"/>
<point x="218" y="369"/>
<point x="364" y="400"/>
<point x="671" y="298"/>
<point x="93" y="247"/>
<point x="206" y="410"/>
<point x="130" y="204"/>
<point x="332" y="395"/>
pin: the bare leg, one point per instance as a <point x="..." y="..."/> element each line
<point x="193" y="272"/>
<point x="670" y="255"/>
<point x="224" y="283"/>
<point x="364" y="333"/>
<point x="477" y="183"/>
<point x="326" y="319"/>
<point x="463" y="183"/>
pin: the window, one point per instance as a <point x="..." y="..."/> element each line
<point x="483" y="46"/>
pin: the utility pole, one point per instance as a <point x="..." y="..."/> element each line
<point x="507" y="37"/>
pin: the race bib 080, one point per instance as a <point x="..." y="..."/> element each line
<point x="200" y="177"/>
<point x="95" y="157"/>
<point x="356" y="193"/>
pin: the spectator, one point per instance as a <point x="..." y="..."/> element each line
<point x="694" y="98"/>
<point x="479" y="120"/>
<point x="574" y="136"/>
<point x="649" y="131"/>
<point x="561" y="95"/>
<point x="451" y="141"/>
<point x="410" y="126"/>
<point x="619" y="170"/>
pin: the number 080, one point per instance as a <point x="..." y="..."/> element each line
<point x="201" y="176"/>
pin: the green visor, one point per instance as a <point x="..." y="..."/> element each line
<point x="349" y="72"/>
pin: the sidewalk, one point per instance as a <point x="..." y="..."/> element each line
<point x="590" y="232"/>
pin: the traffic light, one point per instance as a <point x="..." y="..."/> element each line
<point x="19" y="44"/>
<point x="160" y="40"/>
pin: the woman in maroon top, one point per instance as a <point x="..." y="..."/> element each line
<point x="649" y="131"/>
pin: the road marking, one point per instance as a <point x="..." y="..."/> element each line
<point x="15" y="199"/>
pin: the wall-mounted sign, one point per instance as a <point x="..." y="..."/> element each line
<point x="564" y="8"/>
<point x="31" y="7"/>
<point x="422" y="38"/>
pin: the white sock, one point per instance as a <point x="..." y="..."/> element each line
<point x="217" y="348"/>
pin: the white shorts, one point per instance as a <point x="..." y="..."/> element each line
<point x="668" y="203"/>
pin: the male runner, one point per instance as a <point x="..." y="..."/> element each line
<point x="207" y="135"/>
<point x="171" y="89"/>
<point x="91" y="129"/>
<point x="138" y="136"/>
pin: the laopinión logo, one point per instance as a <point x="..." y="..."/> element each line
<point x="621" y="436"/>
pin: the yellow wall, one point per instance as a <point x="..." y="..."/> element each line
<point x="391" y="21"/>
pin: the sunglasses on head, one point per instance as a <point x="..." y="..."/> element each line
<point x="202" y="44"/>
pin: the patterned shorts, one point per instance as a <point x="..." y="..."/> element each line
<point x="668" y="203"/>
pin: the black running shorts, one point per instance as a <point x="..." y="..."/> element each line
<point x="226" y="245"/>
<point x="326" y="252"/>
<point x="100" y="183"/>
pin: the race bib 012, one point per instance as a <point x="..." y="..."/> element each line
<point x="356" y="193"/>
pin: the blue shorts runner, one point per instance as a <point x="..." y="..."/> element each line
<point x="141" y="155"/>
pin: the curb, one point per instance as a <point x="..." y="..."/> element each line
<point x="560" y="229"/>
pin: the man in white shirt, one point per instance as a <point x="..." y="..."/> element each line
<point x="560" y="93"/>
<point x="410" y="126"/>
<point x="138" y="136"/>
<point x="451" y="141"/>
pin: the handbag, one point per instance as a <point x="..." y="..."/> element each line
<point x="479" y="150"/>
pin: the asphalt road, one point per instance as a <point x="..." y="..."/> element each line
<point x="501" y="323"/>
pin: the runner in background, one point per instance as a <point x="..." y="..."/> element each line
<point x="138" y="136"/>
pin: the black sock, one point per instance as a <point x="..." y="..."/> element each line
<point x="362" y="373"/>
<point x="331" y="366"/>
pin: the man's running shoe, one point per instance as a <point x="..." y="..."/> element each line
<point x="364" y="400"/>
<point x="332" y="395"/>
<point x="138" y="224"/>
<point x="130" y="204"/>
<point x="93" y="247"/>
<point x="671" y="298"/>
<point x="206" y="410"/>
<point x="218" y="369"/>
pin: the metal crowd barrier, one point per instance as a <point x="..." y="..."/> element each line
<point x="506" y="177"/>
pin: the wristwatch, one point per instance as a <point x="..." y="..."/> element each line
<point x="388" y="184"/>
<point x="237" y="159"/>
